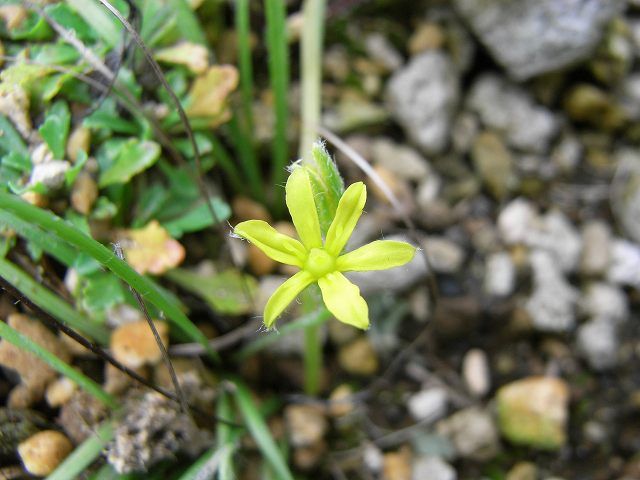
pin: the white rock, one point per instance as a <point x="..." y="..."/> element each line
<point x="510" y="110"/>
<point x="558" y="236"/>
<point x="432" y="468"/>
<point x="606" y="301"/>
<point x="475" y="372"/>
<point x="445" y="256"/>
<point x="515" y="221"/>
<point x="598" y="342"/>
<point x="472" y="432"/>
<point x="596" y="247"/>
<point x="624" y="268"/>
<point x="423" y="96"/>
<point x="372" y="457"/>
<point x="381" y="50"/>
<point x="50" y="174"/>
<point x="567" y="153"/>
<point x="402" y="160"/>
<point x="428" y="405"/>
<point x="500" y="275"/>
<point x="552" y="304"/>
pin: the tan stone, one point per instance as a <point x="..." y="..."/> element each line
<point x="79" y="140"/>
<point x="84" y="193"/>
<point x="244" y="208"/>
<point x="134" y="345"/>
<point x="43" y="452"/>
<point x="358" y="357"/>
<point x="306" y="424"/>
<point x="60" y="392"/>
<point x="428" y="36"/>
<point x="397" y="465"/>
<point x="341" y="400"/>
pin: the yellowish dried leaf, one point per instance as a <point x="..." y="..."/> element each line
<point x="192" y="55"/>
<point x="209" y="93"/>
<point x="151" y="249"/>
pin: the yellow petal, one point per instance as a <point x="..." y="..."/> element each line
<point x="343" y="300"/>
<point x="378" y="255"/>
<point x="284" y="295"/>
<point x="347" y="215"/>
<point x="302" y="207"/>
<point x="275" y="245"/>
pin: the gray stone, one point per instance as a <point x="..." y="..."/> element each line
<point x="511" y="111"/>
<point x="596" y="247"/>
<point x="432" y="468"/>
<point x="567" y="153"/>
<point x="423" y="96"/>
<point x="472" y="432"/>
<point x="605" y="301"/>
<point x="625" y="192"/>
<point x="557" y="235"/>
<point x="401" y="160"/>
<point x="598" y="343"/>
<point x="552" y="303"/>
<point x="530" y="37"/>
<point x="500" y="275"/>
<point x="382" y="51"/>
<point x="624" y="268"/>
<point x="428" y="405"/>
<point x="445" y="256"/>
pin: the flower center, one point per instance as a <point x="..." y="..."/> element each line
<point x="319" y="263"/>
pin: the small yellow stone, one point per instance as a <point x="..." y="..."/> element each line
<point x="134" y="344"/>
<point x="43" y="452"/>
<point x="79" y="140"/>
<point x="60" y="392"/>
<point x="358" y="357"/>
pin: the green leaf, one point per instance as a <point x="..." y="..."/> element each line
<point x="18" y="162"/>
<point x="225" y="292"/>
<point x="10" y="139"/>
<point x="34" y="27"/>
<point x="55" y="129"/>
<point x="99" y="19"/>
<point x="197" y="218"/>
<point x="101" y="292"/>
<point x="71" y="174"/>
<point x="25" y="343"/>
<point x="55" y="54"/>
<point x="134" y="157"/>
<point x="69" y="19"/>
<point x="107" y="117"/>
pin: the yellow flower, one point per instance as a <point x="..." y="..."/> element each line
<point x="323" y="263"/>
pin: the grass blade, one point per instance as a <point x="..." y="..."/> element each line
<point x="311" y="73"/>
<point x="260" y="432"/>
<point x="243" y="30"/>
<point x="242" y="144"/>
<point x="99" y="19"/>
<point x="279" y="75"/>
<point x="226" y="435"/>
<point x="48" y="221"/>
<point x="84" y="455"/>
<point x="187" y="22"/>
<point x="25" y="343"/>
<point x="51" y="303"/>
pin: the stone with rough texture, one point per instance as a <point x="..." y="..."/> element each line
<point x="534" y="412"/>
<point x="403" y="161"/>
<point x="515" y="220"/>
<point x="511" y="111"/>
<point x="423" y="96"/>
<point x="432" y="468"/>
<point x="428" y="405"/>
<point x="530" y="37"/>
<point x="606" y="301"/>
<point x="472" y="433"/>
<point x="306" y="424"/>
<point x="598" y="343"/>
<point x="43" y="452"/>
<point x="624" y="268"/>
<point x="552" y="303"/>
<point x="557" y="235"/>
<point x="135" y="345"/>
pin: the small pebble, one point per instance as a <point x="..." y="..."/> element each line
<point x="403" y="161"/>
<point x="432" y="468"/>
<point x="428" y="36"/>
<point x="396" y="465"/>
<point x="84" y="193"/>
<point x="306" y="424"/>
<point x="79" y="140"/>
<point x="523" y="471"/>
<point x="134" y="345"/>
<point x="598" y="342"/>
<point x="428" y="405"/>
<point x="445" y="256"/>
<point x="500" y="275"/>
<point x="607" y="301"/>
<point x="259" y="262"/>
<point x="341" y="401"/>
<point x="358" y="357"/>
<point x="515" y="221"/>
<point x="475" y="372"/>
<point x="51" y="174"/>
<point x="472" y="432"/>
<point x="60" y="392"/>
<point x="596" y="250"/>
<point x="44" y="451"/>
<point x="244" y="208"/>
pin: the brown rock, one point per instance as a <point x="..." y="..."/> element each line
<point x="134" y="345"/>
<point x="397" y="465"/>
<point x="79" y="140"/>
<point x="43" y="452"/>
<point x="84" y="193"/>
<point x="306" y="424"/>
<point x="35" y="374"/>
<point x="245" y="208"/>
<point x="358" y="357"/>
<point x="259" y="262"/>
<point x="341" y="400"/>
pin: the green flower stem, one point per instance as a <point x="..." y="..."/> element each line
<point x="277" y="46"/>
<point x="146" y="287"/>
<point x="25" y="343"/>
<point x="311" y="74"/>
<point x="51" y="303"/>
<point x="312" y="343"/>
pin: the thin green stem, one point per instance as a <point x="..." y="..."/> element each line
<point x="279" y="74"/>
<point x="243" y="31"/>
<point x="151" y="292"/>
<point x="312" y="359"/>
<point x="311" y="74"/>
<point x="25" y="343"/>
<point x="248" y="161"/>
